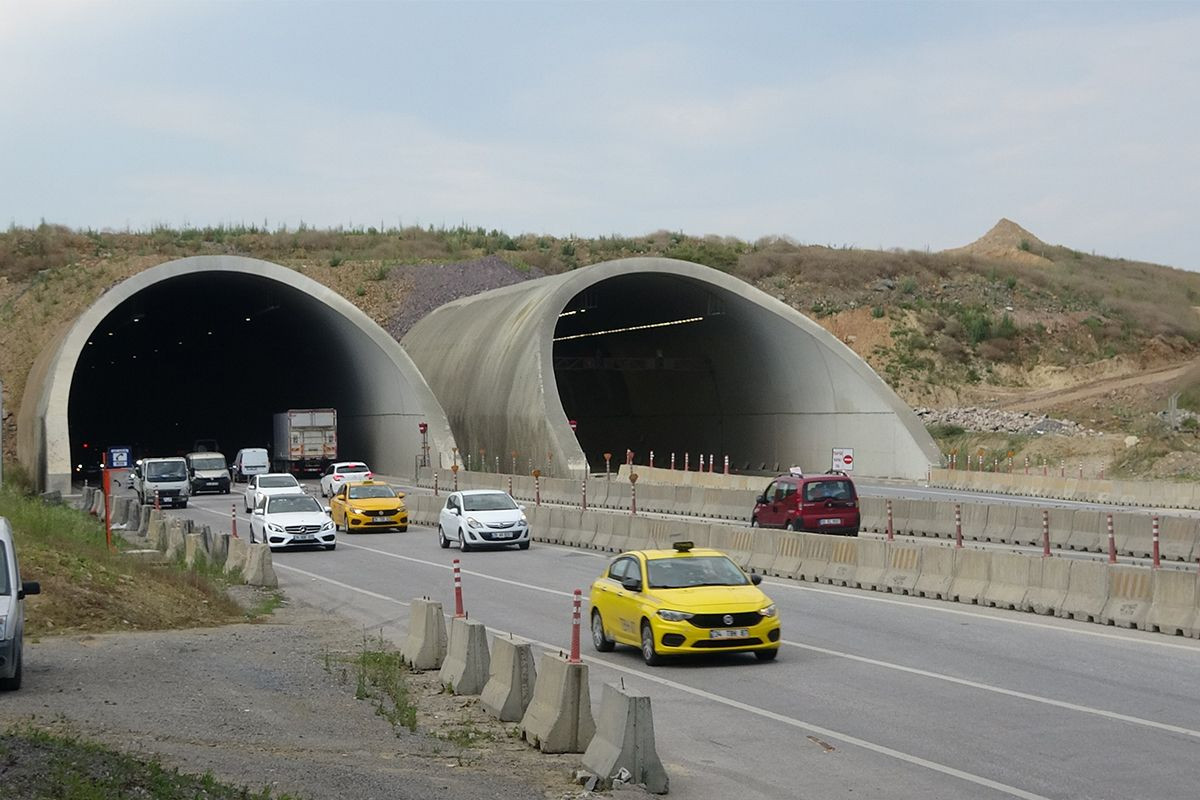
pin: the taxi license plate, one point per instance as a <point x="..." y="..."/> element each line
<point x="831" y="522"/>
<point x="729" y="633"/>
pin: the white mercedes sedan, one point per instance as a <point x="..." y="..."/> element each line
<point x="292" y="520"/>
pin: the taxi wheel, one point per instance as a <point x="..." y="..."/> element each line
<point x="599" y="640"/>
<point x="649" y="652"/>
<point x="766" y="655"/>
<point x="442" y="540"/>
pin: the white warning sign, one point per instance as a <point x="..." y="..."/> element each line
<point x="843" y="459"/>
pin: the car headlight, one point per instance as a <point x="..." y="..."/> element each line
<point x="524" y="521"/>
<point x="673" y="616"/>
<point x="473" y="523"/>
<point x="769" y="611"/>
<point x="277" y="528"/>
<point x="358" y="511"/>
<point x="328" y="526"/>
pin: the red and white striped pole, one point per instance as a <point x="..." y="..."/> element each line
<point x="435" y="486"/>
<point x="702" y="462"/>
<point x="686" y="456"/>
<point x="891" y="531"/>
<point x="1045" y="533"/>
<point x="157" y="503"/>
<point x="1062" y="468"/>
<point x="510" y="485"/>
<point x="583" y="495"/>
<point x="233" y="524"/>
<point x="1112" y="542"/>
<point x="957" y="525"/>
<point x="1154" y="541"/>
<point x="652" y="459"/>
<point x="537" y="489"/>
<point x="672" y="461"/>
<point x="633" y="496"/>
<point x="575" y="621"/>
<point x="1080" y="470"/>
<point x="711" y="459"/>
<point x="1026" y="465"/>
<point x="458" y="601"/>
<point x="726" y="465"/>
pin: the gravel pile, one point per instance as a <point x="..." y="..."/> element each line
<point x="989" y="419"/>
<point x="429" y="286"/>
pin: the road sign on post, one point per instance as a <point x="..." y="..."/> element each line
<point x="843" y="459"/>
<point x="118" y="458"/>
<point x="574" y="425"/>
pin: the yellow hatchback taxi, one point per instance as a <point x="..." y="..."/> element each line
<point x="686" y="600"/>
<point x="368" y="505"/>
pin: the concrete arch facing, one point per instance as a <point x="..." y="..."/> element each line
<point x="658" y="354"/>
<point x="379" y="394"/>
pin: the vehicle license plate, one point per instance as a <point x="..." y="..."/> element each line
<point x="303" y="537"/>
<point x="831" y="521"/>
<point x="501" y="534"/>
<point x="729" y="633"/>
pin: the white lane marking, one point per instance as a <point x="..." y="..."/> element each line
<point x="986" y="687"/>
<point x="868" y="598"/>
<point x="761" y="712"/>
<point x="341" y="585"/>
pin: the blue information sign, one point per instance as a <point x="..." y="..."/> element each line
<point x="118" y="457"/>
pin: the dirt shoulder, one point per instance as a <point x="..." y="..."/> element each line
<point x="272" y="704"/>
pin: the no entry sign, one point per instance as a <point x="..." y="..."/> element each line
<point x="843" y="459"/>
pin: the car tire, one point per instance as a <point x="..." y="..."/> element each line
<point x="183" y="504"/>
<point x="754" y="522"/>
<point x="766" y="655"/>
<point x="853" y="532"/>
<point x="442" y="540"/>
<point x="331" y="546"/>
<point x="323" y="494"/>
<point x="649" y="651"/>
<point x="523" y="545"/>
<point x="600" y="640"/>
<point x="402" y="529"/>
<point x="792" y="526"/>
<point x="462" y="543"/>
<point x="13" y="683"/>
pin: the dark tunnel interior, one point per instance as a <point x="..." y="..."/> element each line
<point x="210" y="355"/>
<point x="640" y="362"/>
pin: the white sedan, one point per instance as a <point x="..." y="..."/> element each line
<point x="292" y="520"/>
<point x="268" y="483"/>
<point x="343" y="472"/>
<point x="482" y="518"/>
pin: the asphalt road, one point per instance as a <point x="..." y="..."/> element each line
<point x="873" y="695"/>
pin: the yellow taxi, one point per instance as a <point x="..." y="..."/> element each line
<point x="368" y="505"/>
<point x="686" y="600"/>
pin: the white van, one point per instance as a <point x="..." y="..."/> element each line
<point x="208" y="471"/>
<point x="250" y="461"/>
<point x="12" y="608"/>
<point x="165" y="477"/>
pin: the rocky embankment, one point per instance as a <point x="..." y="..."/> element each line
<point x="992" y="420"/>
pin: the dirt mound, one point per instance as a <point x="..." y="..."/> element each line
<point x="1006" y="241"/>
<point x="429" y="286"/>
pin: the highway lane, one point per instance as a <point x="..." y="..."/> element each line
<point x="872" y="694"/>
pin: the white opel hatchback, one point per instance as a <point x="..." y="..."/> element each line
<point x="12" y="610"/>
<point x="259" y="486"/>
<point x="482" y="518"/>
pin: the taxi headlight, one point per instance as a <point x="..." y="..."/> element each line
<point x="769" y="611"/>
<point x="358" y="511"/>
<point x="673" y="616"/>
<point x="473" y="523"/>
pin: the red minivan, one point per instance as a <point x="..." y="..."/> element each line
<point x="813" y="503"/>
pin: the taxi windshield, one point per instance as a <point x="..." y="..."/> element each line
<point x="363" y="492"/>
<point x="681" y="572"/>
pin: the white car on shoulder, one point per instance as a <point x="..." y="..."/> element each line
<point x="482" y="518"/>
<point x="341" y="472"/>
<point x="269" y="483"/>
<point x="13" y="592"/>
<point x="292" y="520"/>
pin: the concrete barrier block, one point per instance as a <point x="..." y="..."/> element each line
<point x="1011" y="578"/>
<point x="788" y="552"/>
<point x="665" y="532"/>
<point x="620" y="533"/>
<point x="236" y="558"/>
<point x="1132" y="534"/>
<point x="873" y="514"/>
<point x="1048" y="595"/>
<point x="901" y="516"/>
<point x="1130" y="594"/>
<point x="843" y="562"/>
<point x="144" y="515"/>
<point x="425" y="646"/>
<point x="466" y="666"/>
<point x="559" y="717"/>
<point x="870" y="564"/>
<point x="259" y="569"/>
<point x="974" y="521"/>
<point x="580" y="528"/>
<point x="737" y="542"/>
<point x="764" y="545"/>
<point x="903" y="568"/>
<point x="624" y="740"/>
<point x="119" y="511"/>
<point x="1088" y="532"/>
<point x="176" y="543"/>
<point x="1177" y="538"/>
<point x="1087" y="591"/>
<point x="972" y="573"/>
<point x="218" y="549"/>
<point x="1173" y="607"/>
<point x="922" y="518"/>
<point x="937" y="572"/>
<point x="815" y="553"/>
<point x="509" y="688"/>
<point x="1001" y="524"/>
<point x="195" y="549"/>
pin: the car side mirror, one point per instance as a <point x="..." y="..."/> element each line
<point x="258" y="512"/>
<point x="455" y="512"/>
<point x="520" y="508"/>
<point x="755" y="578"/>
<point x="29" y="587"/>
<point x="328" y="510"/>
<point x="631" y="584"/>
<point x="762" y="499"/>
<point x="400" y="495"/>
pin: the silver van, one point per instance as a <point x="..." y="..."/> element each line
<point x="12" y="610"/>
<point x="250" y="461"/>
<point x="166" y="477"/>
<point x="208" y="472"/>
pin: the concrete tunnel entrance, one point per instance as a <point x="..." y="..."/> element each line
<point x="211" y="348"/>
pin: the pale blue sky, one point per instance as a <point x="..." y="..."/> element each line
<point x="871" y="124"/>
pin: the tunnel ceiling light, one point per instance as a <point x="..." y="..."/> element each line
<point x="247" y="319"/>
<point x="110" y="333"/>
<point x="630" y="328"/>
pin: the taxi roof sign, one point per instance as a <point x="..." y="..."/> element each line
<point x="684" y="547"/>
